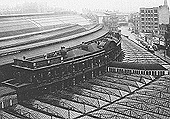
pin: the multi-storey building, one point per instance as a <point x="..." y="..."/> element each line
<point x="135" y="19"/>
<point x="153" y="19"/>
<point x="164" y="16"/>
<point x="149" y="19"/>
<point x="167" y="39"/>
<point x="111" y="21"/>
<point x="164" y="13"/>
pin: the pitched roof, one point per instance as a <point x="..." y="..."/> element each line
<point x="137" y="66"/>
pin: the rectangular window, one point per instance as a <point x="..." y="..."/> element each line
<point x="155" y="15"/>
<point x="155" y="11"/>
<point x="155" y="19"/>
<point x="142" y="11"/>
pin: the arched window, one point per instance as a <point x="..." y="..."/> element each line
<point x="147" y="73"/>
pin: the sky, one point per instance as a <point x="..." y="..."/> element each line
<point x="78" y="5"/>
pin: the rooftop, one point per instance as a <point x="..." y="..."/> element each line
<point x="6" y="91"/>
<point x="137" y="66"/>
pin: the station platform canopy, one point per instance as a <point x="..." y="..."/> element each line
<point x="137" y="66"/>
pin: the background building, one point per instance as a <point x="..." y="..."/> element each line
<point x="154" y="20"/>
<point x="164" y="17"/>
<point x="136" y="22"/>
<point x="111" y="21"/>
<point x="167" y="39"/>
<point x="164" y="13"/>
<point x="149" y="20"/>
